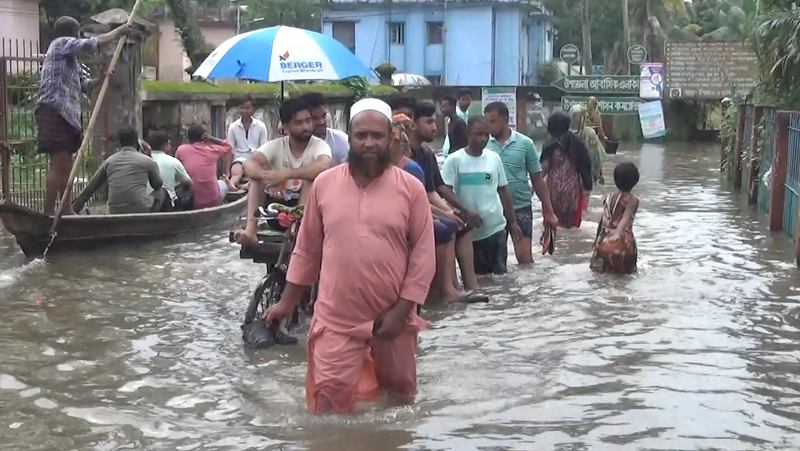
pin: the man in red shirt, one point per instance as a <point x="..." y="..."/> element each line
<point x="200" y="157"/>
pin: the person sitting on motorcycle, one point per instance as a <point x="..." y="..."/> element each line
<point x="284" y="168"/>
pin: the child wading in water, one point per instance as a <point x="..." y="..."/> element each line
<point x="615" y="246"/>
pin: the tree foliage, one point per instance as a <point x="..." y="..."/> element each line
<point x="652" y="23"/>
<point x="777" y="43"/>
<point x="295" y="13"/>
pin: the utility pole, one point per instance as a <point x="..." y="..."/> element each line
<point x="626" y="29"/>
<point x="586" y="35"/>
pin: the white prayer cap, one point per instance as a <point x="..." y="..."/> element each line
<point x="371" y="105"/>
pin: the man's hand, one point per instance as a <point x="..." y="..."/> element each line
<point x="473" y="218"/>
<point x="145" y="148"/>
<point x="516" y="232"/>
<point x="274" y="192"/>
<point x="206" y="137"/>
<point x="125" y="30"/>
<point x="454" y="217"/>
<point x="390" y="325"/>
<point x="551" y="220"/>
<point x="278" y="312"/>
<point x="275" y="178"/>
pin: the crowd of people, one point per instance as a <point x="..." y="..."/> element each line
<point x="384" y="227"/>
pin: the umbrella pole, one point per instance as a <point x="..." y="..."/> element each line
<point x="281" y="92"/>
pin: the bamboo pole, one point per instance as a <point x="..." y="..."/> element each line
<point x="88" y="132"/>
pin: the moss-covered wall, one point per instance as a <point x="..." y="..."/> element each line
<point x="172" y="107"/>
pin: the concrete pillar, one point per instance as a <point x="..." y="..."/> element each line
<point x="737" y="151"/>
<point x="122" y="105"/>
<point x="752" y="166"/>
<point x="780" y="164"/>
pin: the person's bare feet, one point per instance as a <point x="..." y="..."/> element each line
<point x="231" y="186"/>
<point x="246" y="186"/>
<point x="451" y="296"/>
<point x="245" y="237"/>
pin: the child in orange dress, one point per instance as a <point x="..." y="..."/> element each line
<point x="615" y="246"/>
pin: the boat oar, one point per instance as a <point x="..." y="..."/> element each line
<point x="88" y="132"/>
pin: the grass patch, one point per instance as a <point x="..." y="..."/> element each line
<point x="258" y="88"/>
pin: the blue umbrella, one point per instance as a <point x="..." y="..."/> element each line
<point x="282" y="54"/>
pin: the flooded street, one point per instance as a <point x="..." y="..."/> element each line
<point x="140" y="348"/>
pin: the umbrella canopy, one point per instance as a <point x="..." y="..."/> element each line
<point x="402" y="79"/>
<point x="282" y="54"/>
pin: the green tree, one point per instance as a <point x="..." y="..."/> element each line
<point x="295" y="13"/>
<point x="778" y="51"/>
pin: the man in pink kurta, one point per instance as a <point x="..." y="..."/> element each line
<point x="367" y="236"/>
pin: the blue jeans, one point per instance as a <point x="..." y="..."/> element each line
<point x="223" y="191"/>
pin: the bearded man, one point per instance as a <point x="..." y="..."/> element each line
<point x="367" y="236"/>
<point x="286" y="167"/>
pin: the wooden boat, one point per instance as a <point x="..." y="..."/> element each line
<point x="80" y="232"/>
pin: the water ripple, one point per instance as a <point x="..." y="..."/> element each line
<point x="139" y="348"/>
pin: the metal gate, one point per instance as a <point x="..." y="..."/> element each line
<point x="767" y="151"/>
<point x="23" y="169"/>
<point x="747" y="144"/>
<point x="792" y="184"/>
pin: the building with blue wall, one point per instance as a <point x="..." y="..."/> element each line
<point x="467" y="43"/>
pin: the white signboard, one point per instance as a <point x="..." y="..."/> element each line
<point x="505" y="95"/>
<point x="651" y="116"/>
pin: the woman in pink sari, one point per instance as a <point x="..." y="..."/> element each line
<point x="567" y="168"/>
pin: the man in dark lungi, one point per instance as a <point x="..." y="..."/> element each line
<point x="58" y="109"/>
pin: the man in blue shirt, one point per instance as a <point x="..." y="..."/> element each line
<point x="520" y="160"/>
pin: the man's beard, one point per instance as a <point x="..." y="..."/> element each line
<point x="371" y="168"/>
<point x="302" y="137"/>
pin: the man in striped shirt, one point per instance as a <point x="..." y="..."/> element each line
<point x="520" y="161"/>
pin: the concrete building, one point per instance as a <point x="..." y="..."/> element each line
<point x="164" y="56"/>
<point x="19" y="27"/>
<point x="478" y="43"/>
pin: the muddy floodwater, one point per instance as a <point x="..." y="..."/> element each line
<point x="140" y="347"/>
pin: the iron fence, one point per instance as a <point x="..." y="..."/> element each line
<point x="792" y="185"/>
<point x="24" y="170"/>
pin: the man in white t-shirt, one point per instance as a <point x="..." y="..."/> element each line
<point x="284" y="167"/>
<point x="173" y="174"/>
<point x="338" y="140"/>
<point x="245" y="135"/>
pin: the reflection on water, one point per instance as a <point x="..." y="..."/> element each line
<point x="139" y="348"/>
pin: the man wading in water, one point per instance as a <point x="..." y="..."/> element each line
<point x="58" y="107"/>
<point x="367" y="236"/>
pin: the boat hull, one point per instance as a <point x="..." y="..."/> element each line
<point x="84" y="232"/>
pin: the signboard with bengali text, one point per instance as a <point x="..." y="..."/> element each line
<point x="709" y="70"/>
<point x="615" y="106"/>
<point x="599" y="84"/>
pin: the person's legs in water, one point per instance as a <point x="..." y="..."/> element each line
<point x="445" y="285"/>
<point x="491" y="254"/>
<point x="466" y="260"/>
<point x="255" y="199"/>
<point x="523" y="247"/>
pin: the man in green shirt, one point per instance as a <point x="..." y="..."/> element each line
<point x="520" y="161"/>
<point x="127" y="173"/>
